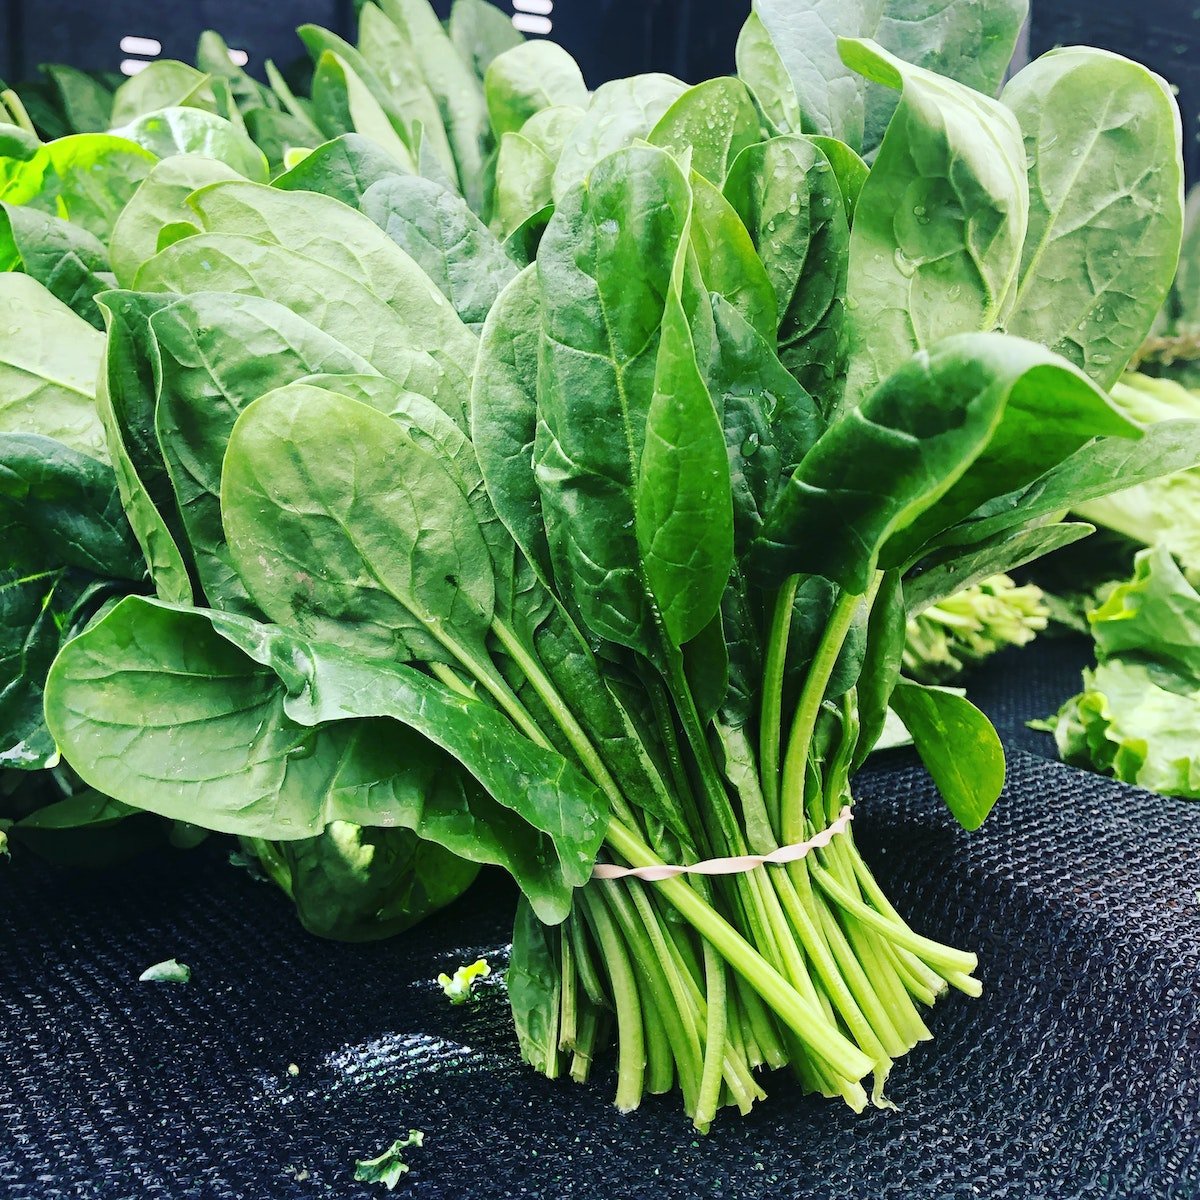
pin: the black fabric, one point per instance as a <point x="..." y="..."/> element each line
<point x="1076" y="1075"/>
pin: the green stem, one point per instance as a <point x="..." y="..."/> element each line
<point x="631" y="1044"/>
<point x="808" y="708"/>
<point x="714" y="1039"/>
<point x="805" y="1020"/>
<point x="16" y="109"/>
<point x="948" y="961"/>
<point x="563" y="717"/>
<point x="770" y="729"/>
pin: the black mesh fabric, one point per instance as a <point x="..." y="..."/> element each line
<point x="1076" y="1075"/>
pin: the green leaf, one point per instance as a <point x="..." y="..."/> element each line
<point x="882" y="464"/>
<point x="1102" y="139"/>
<point x="1102" y="466"/>
<point x="35" y="616"/>
<point x="802" y="39"/>
<point x="1154" y="615"/>
<point x="534" y="985"/>
<point x="682" y="502"/>
<point x="160" y="201"/>
<point x="725" y="255"/>
<point x="848" y="169"/>
<point x="60" y="508"/>
<point x="886" y="628"/>
<point x="213" y="57"/>
<point x="217" y="354"/>
<point x="388" y="1168"/>
<point x="343" y="528"/>
<point x="173" y="131"/>
<point x="163" y="84"/>
<point x="770" y="421"/>
<point x="964" y="40"/>
<point x="528" y="78"/>
<point x="356" y="884"/>
<point x="342" y="169"/>
<point x="364" y="257"/>
<point x="607" y="261"/>
<point x="399" y="69"/>
<point x="126" y="398"/>
<point x="621" y="113"/>
<point x="445" y="239"/>
<point x="153" y="695"/>
<point x="455" y="88"/>
<point x="761" y="69"/>
<point x="940" y="221"/>
<point x="86" y="102"/>
<point x="1050" y="410"/>
<point x="49" y="359"/>
<point x="64" y="258"/>
<point x="789" y="199"/>
<point x="715" y="121"/>
<point x="86" y="178"/>
<point x="952" y="570"/>
<point x="169" y="971"/>
<point x="336" y="302"/>
<point x="524" y="181"/>
<point x="480" y="33"/>
<point x="504" y="414"/>
<point x="344" y="103"/>
<point x="958" y="746"/>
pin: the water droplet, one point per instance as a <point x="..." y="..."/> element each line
<point x="750" y="445"/>
<point x="610" y="226"/>
<point x="1076" y="151"/>
<point x="905" y="265"/>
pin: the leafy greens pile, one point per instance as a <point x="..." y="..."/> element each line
<point x="539" y="474"/>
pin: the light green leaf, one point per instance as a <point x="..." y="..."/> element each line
<point x="621" y="112"/>
<point x="1102" y="140"/>
<point x="49" y="359"/>
<point x="173" y="131"/>
<point x="528" y="78"/>
<point x="163" y="84"/>
<point x="715" y="120"/>
<point x="940" y="221"/>
<point x="158" y="202"/>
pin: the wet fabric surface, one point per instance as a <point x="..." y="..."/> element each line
<point x="1077" y="1074"/>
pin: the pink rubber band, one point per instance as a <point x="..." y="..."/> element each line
<point x="730" y="866"/>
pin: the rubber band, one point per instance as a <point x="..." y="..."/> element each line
<point x="730" y="866"/>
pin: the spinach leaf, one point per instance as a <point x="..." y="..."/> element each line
<point x="171" y="131"/>
<point x="49" y="358"/>
<point x="216" y="354"/>
<point x="621" y="112"/>
<point x="445" y="239"/>
<point x="59" y="507"/>
<point x="159" y="201"/>
<point x="343" y="102"/>
<point x="167" y="83"/>
<point x="964" y="40"/>
<point x="714" y="121"/>
<point x="480" y="33"/>
<point x="527" y="79"/>
<point x="802" y="40"/>
<point x="1105" y="205"/>
<point x="789" y="198"/>
<point x="454" y="86"/>
<point x="384" y="554"/>
<point x="66" y="260"/>
<point x="607" y="260"/>
<point x="958" y="746"/>
<point x="343" y="169"/>
<point x="939" y="224"/>
<point x="504" y="414"/>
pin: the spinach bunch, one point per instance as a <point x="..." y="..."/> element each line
<point x="627" y="571"/>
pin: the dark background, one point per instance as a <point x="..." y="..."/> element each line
<point x="693" y="39"/>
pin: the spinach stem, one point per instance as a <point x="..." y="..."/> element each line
<point x="770" y="729"/>
<point x="808" y="707"/>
